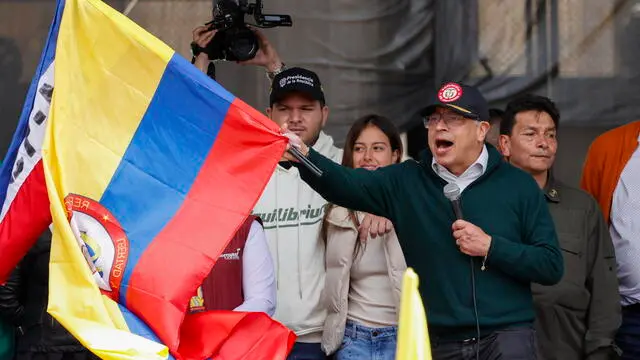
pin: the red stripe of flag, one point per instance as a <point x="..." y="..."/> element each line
<point x="27" y="218"/>
<point x="227" y="187"/>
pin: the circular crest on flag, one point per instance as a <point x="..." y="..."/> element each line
<point x="449" y="92"/>
<point x="102" y="241"/>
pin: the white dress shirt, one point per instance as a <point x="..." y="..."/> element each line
<point x="470" y="175"/>
<point x="625" y="229"/>
<point x="258" y="279"/>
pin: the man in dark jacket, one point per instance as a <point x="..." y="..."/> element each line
<point x="577" y="318"/>
<point x="23" y="303"/>
<point x="475" y="274"/>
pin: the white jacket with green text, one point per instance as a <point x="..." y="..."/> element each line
<point x="292" y="215"/>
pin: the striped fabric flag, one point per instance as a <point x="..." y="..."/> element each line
<point x="147" y="168"/>
<point x="413" y="336"/>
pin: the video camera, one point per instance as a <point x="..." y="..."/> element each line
<point x="234" y="41"/>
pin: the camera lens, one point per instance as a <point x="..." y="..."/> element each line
<point x="242" y="44"/>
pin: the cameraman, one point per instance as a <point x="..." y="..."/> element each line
<point x="295" y="247"/>
<point x="267" y="56"/>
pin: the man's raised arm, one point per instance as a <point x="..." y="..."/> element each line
<point x="356" y="189"/>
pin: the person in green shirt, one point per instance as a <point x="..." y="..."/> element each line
<point x="475" y="274"/>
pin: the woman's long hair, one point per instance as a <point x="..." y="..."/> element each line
<point x="389" y="129"/>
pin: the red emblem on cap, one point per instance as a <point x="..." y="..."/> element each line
<point x="449" y="92"/>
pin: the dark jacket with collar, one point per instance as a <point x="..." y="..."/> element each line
<point x="505" y="202"/>
<point x="578" y="317"/>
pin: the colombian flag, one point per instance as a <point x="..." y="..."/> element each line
<point x="147" y="168"/>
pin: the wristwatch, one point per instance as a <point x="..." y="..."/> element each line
<point x="272" y="74"/>
<point x="196" y="49"/>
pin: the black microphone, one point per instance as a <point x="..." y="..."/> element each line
<point x="452" y="192"/>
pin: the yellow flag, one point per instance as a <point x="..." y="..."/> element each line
<point x="413" y="337"/>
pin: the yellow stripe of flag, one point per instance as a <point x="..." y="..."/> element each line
<point x="413" y="336"/>
<point x="97" y="81"/>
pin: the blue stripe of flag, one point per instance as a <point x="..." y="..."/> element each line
<point x="138" y="327"/>
<point x="165" y="156"/>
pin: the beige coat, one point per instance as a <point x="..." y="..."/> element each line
<point x="342" y="235"/>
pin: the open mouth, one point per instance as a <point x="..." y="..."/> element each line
<point x="443" y="144"/>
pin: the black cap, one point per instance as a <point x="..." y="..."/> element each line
<point x="296" y="80"/>
<point x="464" y="99"/>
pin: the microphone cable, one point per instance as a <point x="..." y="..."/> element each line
<point x="452" y="193"/>
<point x="475" y="306"/>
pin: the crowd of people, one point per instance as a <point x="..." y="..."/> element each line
<point x="513" y="264"/>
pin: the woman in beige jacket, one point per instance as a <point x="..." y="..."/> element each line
<point x="363" y="280"/>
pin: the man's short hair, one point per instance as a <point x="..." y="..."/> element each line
<point x="528" y="102"/>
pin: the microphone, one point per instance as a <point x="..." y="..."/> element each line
<point x="452" y="192"/>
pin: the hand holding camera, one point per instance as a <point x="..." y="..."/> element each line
<point x="228" y="36"/>
<point x="202" y="35"/>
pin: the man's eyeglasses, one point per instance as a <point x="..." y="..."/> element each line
<point x="450" y="119"/>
